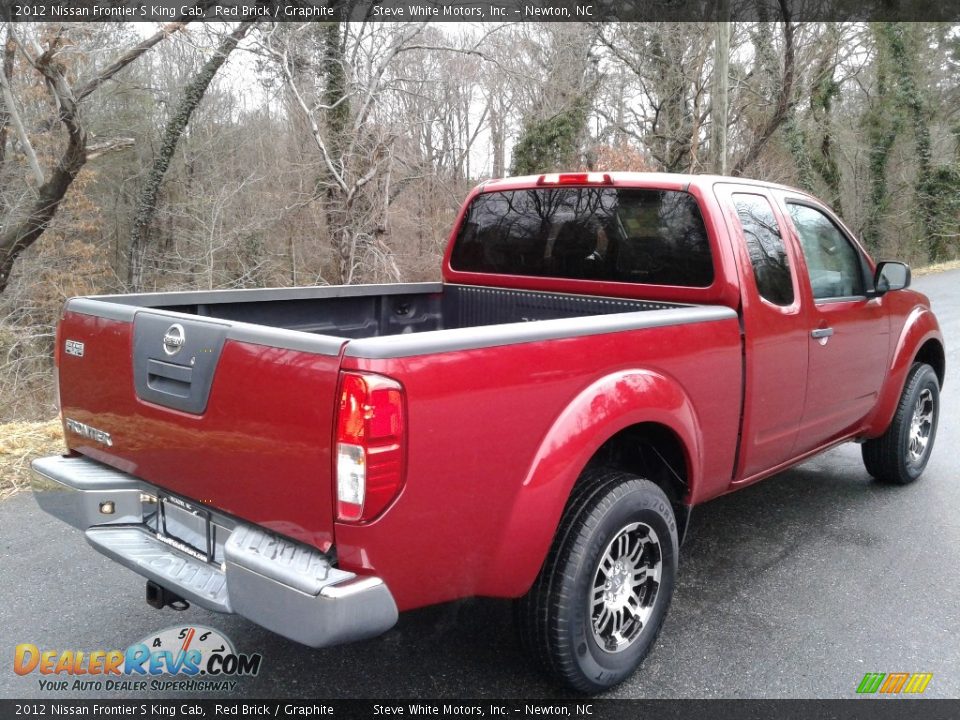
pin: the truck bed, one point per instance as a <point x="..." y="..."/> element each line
<point x="227" y="398"/>
<point x="370" y="311"/>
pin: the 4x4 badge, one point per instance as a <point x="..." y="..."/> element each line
<point x="73" y="347"/>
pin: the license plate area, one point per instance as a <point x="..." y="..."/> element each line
<point x="186" y="527"/>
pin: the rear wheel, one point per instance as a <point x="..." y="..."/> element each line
<point x="902" y="452"/>
<point x="597" y="606"/>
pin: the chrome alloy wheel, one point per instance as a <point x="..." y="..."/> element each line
<point x="921" y="425"/>
<point x="625" y="587"/>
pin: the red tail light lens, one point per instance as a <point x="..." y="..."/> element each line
<point x="57" y="349"/>
<point x="369" y="445"/>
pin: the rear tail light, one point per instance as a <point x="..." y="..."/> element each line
<point x="56" y="392"/>
<point x="575" y="179"/>
<point x="369" y="445"/>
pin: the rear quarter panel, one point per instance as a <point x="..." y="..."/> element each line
<point x="497" y="437"/>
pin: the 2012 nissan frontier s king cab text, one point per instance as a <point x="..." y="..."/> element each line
<point x="605" y="352"/>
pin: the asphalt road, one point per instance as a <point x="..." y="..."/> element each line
<point x="795" y="587"/>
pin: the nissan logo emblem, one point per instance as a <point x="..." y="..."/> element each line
<point x="174" y="339"/>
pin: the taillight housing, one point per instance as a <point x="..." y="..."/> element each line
<point x="370" y="445"/>
<point x="57" y="349"/>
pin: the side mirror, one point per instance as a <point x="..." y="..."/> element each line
<point x="891" y="275"/>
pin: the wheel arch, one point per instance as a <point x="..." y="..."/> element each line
<point x="639" y="421"/>
<point x="653" y="451"/>
<point x="919" y="341"/>
<point x="932" y="353"/>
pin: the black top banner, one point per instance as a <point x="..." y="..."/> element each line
<point x="482" y="11"/>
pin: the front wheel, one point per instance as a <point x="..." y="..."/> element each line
<point x="600" y="599"/>
<point x="901" y="453"/>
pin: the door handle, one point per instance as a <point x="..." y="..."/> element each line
<point x="821" y="333"/>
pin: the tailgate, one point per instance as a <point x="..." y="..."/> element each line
<point x="209" y="410"/>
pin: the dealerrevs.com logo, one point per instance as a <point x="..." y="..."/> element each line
<point x="191" y="658"/>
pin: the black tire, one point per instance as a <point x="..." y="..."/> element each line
<point x="892" y="457"/>
<point x="556" y="617"/>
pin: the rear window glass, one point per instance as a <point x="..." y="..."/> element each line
<point x="655" y="237"/>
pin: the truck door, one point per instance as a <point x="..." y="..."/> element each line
<point x="775" y="329"/>
<point x="849" y="333"/>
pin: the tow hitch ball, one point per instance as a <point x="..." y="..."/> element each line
<point x="159" y="597"/>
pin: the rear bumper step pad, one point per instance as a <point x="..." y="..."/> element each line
<point x="138" y="549"/>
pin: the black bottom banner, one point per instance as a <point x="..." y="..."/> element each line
<point x="860" y="709"/>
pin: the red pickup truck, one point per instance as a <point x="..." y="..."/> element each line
<point x="605" y="352"/>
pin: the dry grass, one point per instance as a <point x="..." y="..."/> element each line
<point x="21" y="442"/>
<point x="939" y="267"/>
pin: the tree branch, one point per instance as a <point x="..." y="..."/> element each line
<point x="784" y="100"/>
<point x="192" y="95"/>
<point x="24" y="233"/>
<point x="128" y="57"/>
<point x="14" y="115"/>
<point x="103" y="147"/>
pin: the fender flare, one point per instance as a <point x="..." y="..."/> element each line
<point x="920" y="327"/>
<point x="601" y="410"/>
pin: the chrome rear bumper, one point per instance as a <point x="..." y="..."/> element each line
<point x="286" y="587"/>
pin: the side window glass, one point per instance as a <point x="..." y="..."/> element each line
<point x="771" y="266"/>
<point x="832" y="262"/>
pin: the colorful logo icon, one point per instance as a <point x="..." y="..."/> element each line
<point x="894" y="683"/>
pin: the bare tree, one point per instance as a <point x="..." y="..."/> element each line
<point x="354" y="151"/>
<point x="784" y="93"/>
<point x="193" y="93"/>
<point x="665" y="108"/>
<point x="555" y="128"/>
<point x="22" y="231"/>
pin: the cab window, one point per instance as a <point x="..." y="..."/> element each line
<point x="833" y="263"/>
<point x="768" y="255"/>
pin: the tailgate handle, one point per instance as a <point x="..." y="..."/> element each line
<point x="168" y="378"/>
<point x="178" y="377"/>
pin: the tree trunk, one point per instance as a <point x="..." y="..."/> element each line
<point x="784" y="98"/>
<point x="883" y="124"/>
<point x="337" y="122"/>
<point x="24" y="233"/>
<point x="497" y="139"/>
<point x="721" y="93"/>
<point x="192" y="95"/>
<point x="8" y="56"/>
<point x="811" y="138"/>
<point x="912" y="96"/>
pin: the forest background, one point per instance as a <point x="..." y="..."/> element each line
<point x="196" y="155"/>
